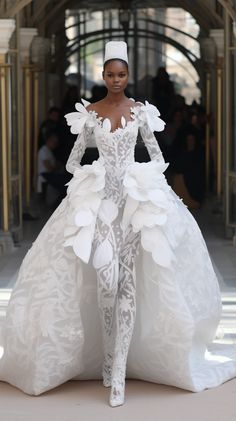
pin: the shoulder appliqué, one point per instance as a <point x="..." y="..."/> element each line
<point x="77" y="120"/>
<point x="149" y="114"/>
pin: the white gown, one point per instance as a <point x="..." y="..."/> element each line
<point x="52" y="331"/>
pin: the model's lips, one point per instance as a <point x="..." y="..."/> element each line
<point x="117" y="87"/>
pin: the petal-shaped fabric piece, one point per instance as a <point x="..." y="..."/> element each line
<point x="106" y="125"/>
<point x="91" y="201"/>
<point x="69" y="242"/>
<point x="154" y="241"/>
<point x="123" y="121"/>
<point x="103" y="255"/>
<point x="83" y="218"/>
<point x="156" y="124"/>
<point x="85" y="102"/>
<point x="81" y="108"/>
<point x="83" y="242"/>
<point x="129" y="209"/>
<point x="77" y="120"/>
<point x="152" y="115"/>
<point x="70" y="230"/>
<point x="71" y="117"/>
<point x="152" y="109"/>
<point x="142" y="219"/>
<point x="146" y="176"/>
<point x="159" y="197"/>
<point x="87" y="179"/>
<point x="108" y="211"/>
<point x="138" y="194"/>
<point x="78" y="125"/>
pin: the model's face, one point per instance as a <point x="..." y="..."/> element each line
<point x="116" y="76"/>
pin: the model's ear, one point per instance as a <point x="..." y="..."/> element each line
<point x="103" y="74"/>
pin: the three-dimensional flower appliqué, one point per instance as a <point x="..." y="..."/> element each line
<point x="149" y="114"/>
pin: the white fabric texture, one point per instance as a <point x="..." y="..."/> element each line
<point x="120" y="229"/>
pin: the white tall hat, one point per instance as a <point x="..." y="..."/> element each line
<point x="116" y="49"/>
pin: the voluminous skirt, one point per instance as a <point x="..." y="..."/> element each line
<point x="52" y="330"/>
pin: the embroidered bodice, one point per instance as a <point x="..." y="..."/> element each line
<point x="116" y="149"/>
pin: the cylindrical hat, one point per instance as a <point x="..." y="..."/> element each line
<point x="116" y="49"/>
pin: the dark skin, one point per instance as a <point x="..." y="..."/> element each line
<point x="116" y="104"/>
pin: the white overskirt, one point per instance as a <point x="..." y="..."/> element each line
<point x="52" y="331"/>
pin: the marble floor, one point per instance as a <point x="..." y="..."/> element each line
<point x="88" y="400"/>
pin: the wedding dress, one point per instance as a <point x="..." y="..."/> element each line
<point x="120" y="229"/>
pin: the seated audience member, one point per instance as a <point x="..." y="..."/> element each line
<point x="49" y="170"/>
<point x="51" y="124"/>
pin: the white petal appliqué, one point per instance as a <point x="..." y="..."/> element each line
<point x="83" y="218"/>
<point x="70" y="230"/>
<point x="83" y="243"/>
<point x="85" y="102"/>
<point x="108" y="211"/>
<point x="103" y="255"/>
<point x="80" y="108"/>
<point x="154" y="241"/>
<point x="85" y="193"/>
<point x="106" y="125"/>
<point x="130" y="207"/>
<point x="123" y="121"/>
<point x="69" y="242"/>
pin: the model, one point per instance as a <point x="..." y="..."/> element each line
<point x="120" y="236"/>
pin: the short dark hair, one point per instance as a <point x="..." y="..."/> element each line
<point x="116" y="59"/>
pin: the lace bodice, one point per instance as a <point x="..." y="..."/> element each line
<point x="116" y="149"/>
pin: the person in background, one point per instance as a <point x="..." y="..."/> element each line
<point x="163" y="92"/>
<point x="189" y="170"/>
<point x="52" y="123"/>
<point x="46" y="161"/>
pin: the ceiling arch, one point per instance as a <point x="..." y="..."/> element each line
<point x="204" y="11"/>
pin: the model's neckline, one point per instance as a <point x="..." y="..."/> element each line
<point x="105" y="122"/>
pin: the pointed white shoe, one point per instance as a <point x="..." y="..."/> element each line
<point x="117" y="395"/>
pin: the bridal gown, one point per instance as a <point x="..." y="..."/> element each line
<point x="52" y="331"/>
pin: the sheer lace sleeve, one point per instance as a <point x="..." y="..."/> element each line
<point x="82" y="123"/>
<point x="77" y="152"/>
<point x="149" y="121"/>
<point x="151" y="143"/>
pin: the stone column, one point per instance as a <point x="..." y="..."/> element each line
<point x="218" y="36"/>
<point x="40" y="49"/>
<point x="208" y="50"/>
<point x="26" y="37"/>
<point x="7" y="27"/>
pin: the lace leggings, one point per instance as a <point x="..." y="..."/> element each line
<point x="117" y="304"/>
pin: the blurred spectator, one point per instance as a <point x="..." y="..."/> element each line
<point x="70" y="98"/>
<point x="49" y="170"/>
<point x="98" y="92"/>
<point x="163" y="92"/>
<point x="46" y="159"/>
<point x="144" y="88"/>
<point x="190" y="164"/>
<point x="175" y="123"/>
<point x="50" y="124"/>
